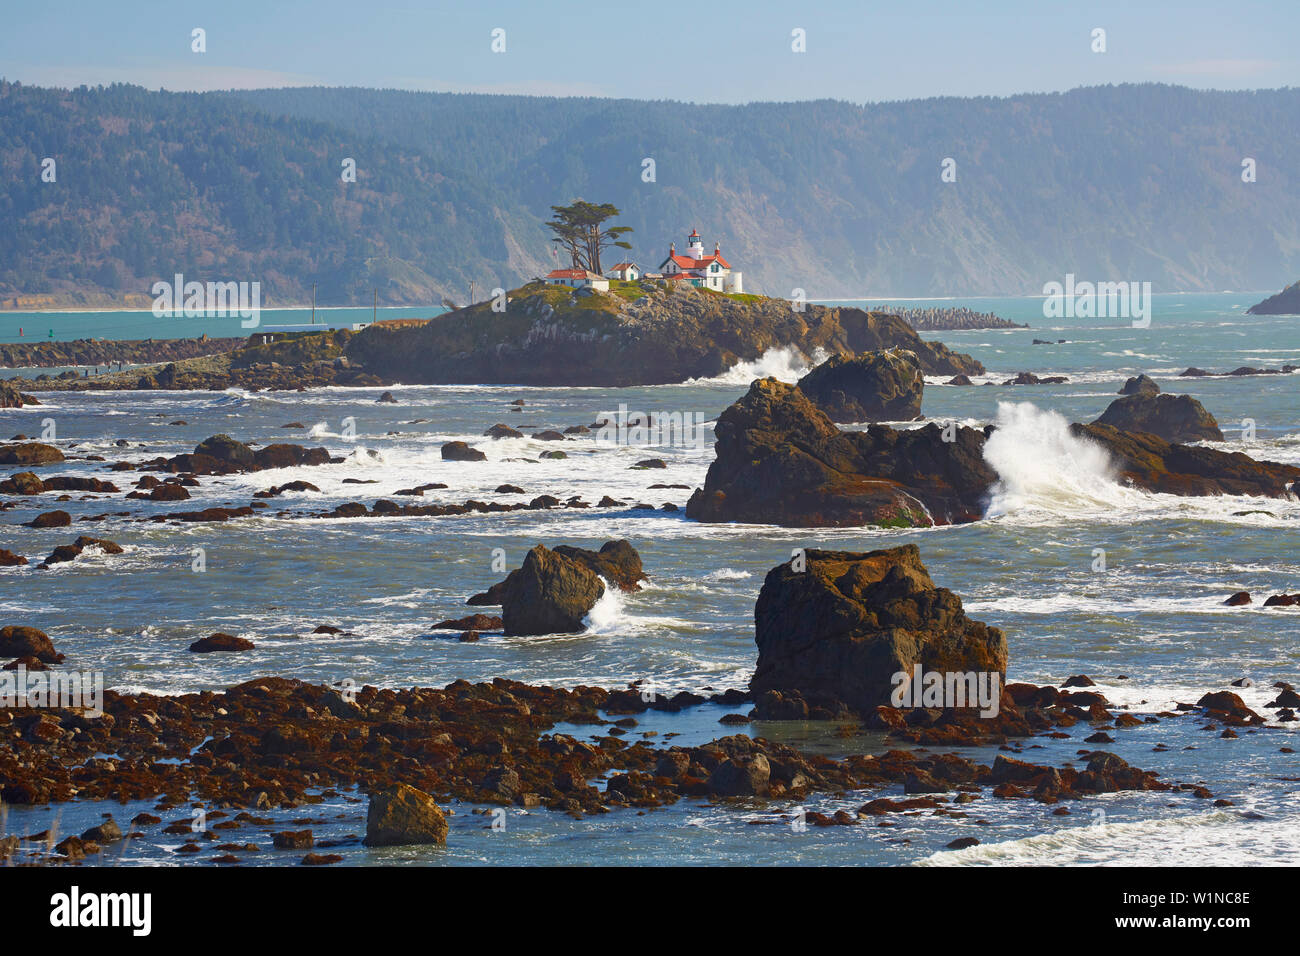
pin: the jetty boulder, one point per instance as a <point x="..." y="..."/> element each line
<point x="884" y="385"/>
<point x="833" y="630"/>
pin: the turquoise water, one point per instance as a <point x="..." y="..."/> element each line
<point x="1150" y="629"/>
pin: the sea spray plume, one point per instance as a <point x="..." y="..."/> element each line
<point x="1042" y="466"/>
<point x="786" y="364"/>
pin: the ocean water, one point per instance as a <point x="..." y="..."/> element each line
<point x="1150" y="629"/>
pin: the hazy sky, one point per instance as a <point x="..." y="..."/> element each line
<point x="704" y="52"/>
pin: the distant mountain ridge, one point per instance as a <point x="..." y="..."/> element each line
<point x="842" y="201"/>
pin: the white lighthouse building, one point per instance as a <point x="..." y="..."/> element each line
<point x="706" y="272"/>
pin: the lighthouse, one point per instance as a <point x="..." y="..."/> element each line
<point x="695" y="245"/>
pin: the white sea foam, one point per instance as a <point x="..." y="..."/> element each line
<point x="786" y="363"/>
<point x="1042" y="466"/>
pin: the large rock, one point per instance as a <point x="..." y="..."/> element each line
<point x="1176" y="418"/>
<point x="29" y="453"/>
<point x="1151" y="463"/>
<point x="1140" y="385"/>
<point x="10" y="397"/>
<point x="781" y="460"/>
<point x="546" y="336"/>
<point x="882" y="386"/>
<point x="459" y="451"/>
<point x="225" y="448"/>
<point x="616" y="561"/>
<point x="19" y="641"/>
<point x="836" y="632"/>
<point x="1286" y="302"/>
<point x="550" y="594"/>
<point x="401" y="815"/>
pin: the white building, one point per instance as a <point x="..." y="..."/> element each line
<point x="706" y="272"/>
<point x="577" y="279"/>
<point x="624" y="271"/>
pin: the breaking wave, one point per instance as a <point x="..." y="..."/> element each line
<point x="786" y="363"/>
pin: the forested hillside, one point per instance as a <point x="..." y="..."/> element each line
<point x="1129" y="182"/>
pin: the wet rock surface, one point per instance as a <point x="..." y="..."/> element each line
<point x="1175" y="418"/>
<point x="835" y="627"/>
<point x="1154" y="464"/>
<point x="883" y="386"/>
<point x="781" y="460"/>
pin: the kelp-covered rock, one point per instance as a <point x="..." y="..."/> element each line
<point x="1176" y="418"/>
<point x="882" y="386"/>
<point x="834" y="630"/>
<point x="1151" y="463"/>
<point x="781" y="460"/>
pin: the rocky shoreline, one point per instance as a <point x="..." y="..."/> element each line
<point x="272" y="747"/>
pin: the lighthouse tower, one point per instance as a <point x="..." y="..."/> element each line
<point x="695" y="245"/>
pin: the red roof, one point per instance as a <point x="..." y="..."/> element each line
<point x="623" y="265"/>
<point x="688" y="262"/>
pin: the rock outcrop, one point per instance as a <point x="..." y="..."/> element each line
<point x="31" y="453"/>
<point x="781" y="460"/>
<point x="223" y="455"/>
<point x="832" y="634"/>
<point x="17" y="640"/>
<point x="883" y="386"/>
<point x="550" y="594"/>
<point x="549" y="336"/>
<point x="11" y="397"/>
<point x="616" y="561"/>
<point x="1175" y="418"/>
<point x="1140" y="385"/>
<point x="1286" y="302"/>
<point x="1151" y="463"/>
<point x="401" y="815"/>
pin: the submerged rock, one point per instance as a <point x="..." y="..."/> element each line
<point x="221" y="642"/>
<point x="835" y="633"/>
<point x="876" y="386"/>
